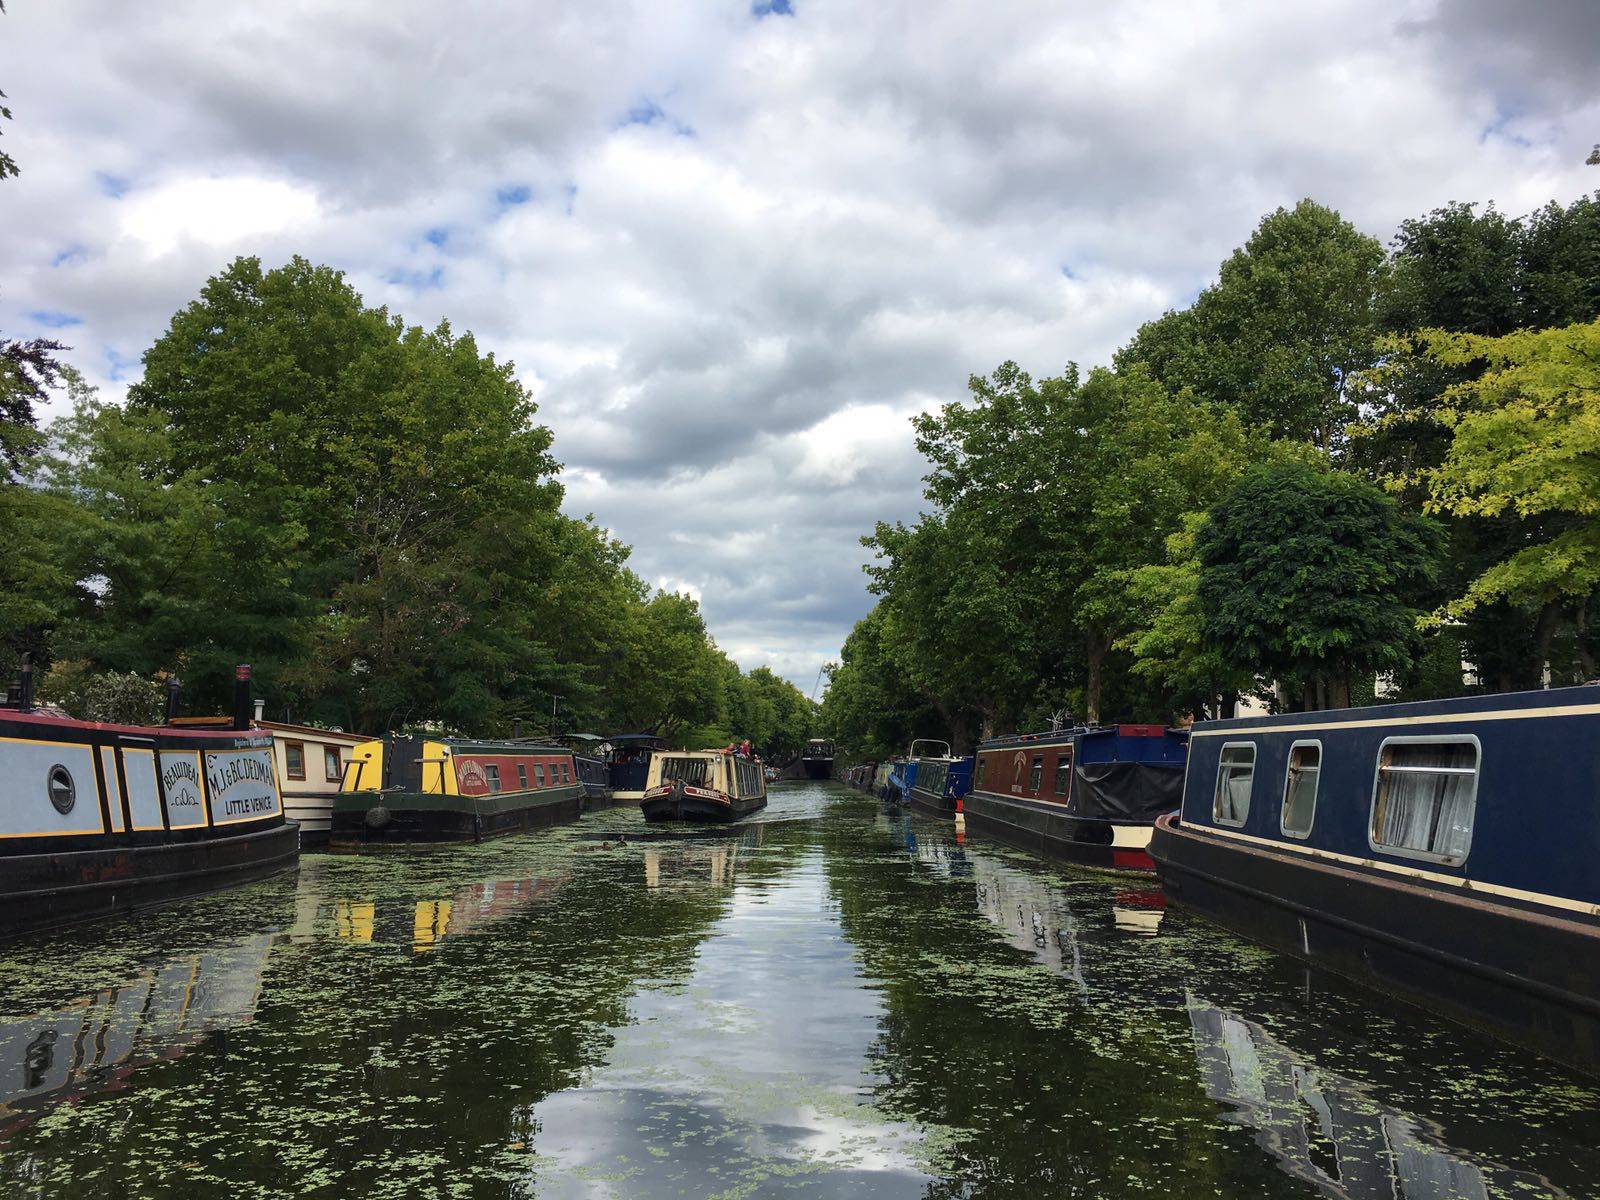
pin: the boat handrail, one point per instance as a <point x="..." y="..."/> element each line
<point x="915" y="742"/>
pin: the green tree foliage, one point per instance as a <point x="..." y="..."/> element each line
<point x="1291" y="317"/>
<point x="1310" y="577"/>
<point x="1525" y="440"/>
<point x="867" y="708"/>
<point x="1049" y="497"/>
<point x="366" y="511"/>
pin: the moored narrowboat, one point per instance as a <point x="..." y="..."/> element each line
<point x="628" y="765"/>
<point x="589" y="764"/>
<point x="1089" y="796"/>
<point x="311" y="764"/>
<point x="417" y="789"/>
<point x="936" y="782"/>
<point x="1446" y="851"/>
<point x="97" y="819"/>
<point x="817" y="761"/>
<point x="703" y="785"/>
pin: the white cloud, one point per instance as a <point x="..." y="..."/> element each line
<point x="732" y="256"/>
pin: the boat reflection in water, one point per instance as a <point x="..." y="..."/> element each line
<point x="696" y="862"/>
<point x="423" y="924"/>
<point x="1330" y="1131"/>
<point x="94" y="1043"/>
<point x="1030" y="915"/>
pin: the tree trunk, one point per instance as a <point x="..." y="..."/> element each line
<point x="1581" y="627"/>
<point x="1544" y="634"/>
<point x="1095" y="647"/>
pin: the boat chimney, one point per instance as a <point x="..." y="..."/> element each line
<point x="261" y="708"/>
<point x="174" y="699"/>
<point x="241" y="696"/>
<point x="25" y="693"/>
<point x="516" y="728"/>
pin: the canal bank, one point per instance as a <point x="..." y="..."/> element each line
<point x="828" y="1000"/>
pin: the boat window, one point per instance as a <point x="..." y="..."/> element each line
<point x="62" y="790"/>
<point x="1063" y="770"/>
<point x="1236" y="770"/>
<point x="1036" y="774"/>
<point x="566" y="773"/>
<point x="1424" y="796"/>
<point x="691" y="771"/>
<point x="1300" y="788"/>
<point x="538" y="774"/>
<point x="982" y="763"/>
<point x="294" y="759"/>
<point x="332" y="768"/>
<point x="493" y="773"/>
<point x="522" y="776"/>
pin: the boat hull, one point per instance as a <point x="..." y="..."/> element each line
<point x="59" y="888"/>
<point x="679" y="805"/>
<point x="1046" y="829"/>
<point x="1527" y="974"/>
<point x="369" y="820"/>
<point x="930" y="804"/>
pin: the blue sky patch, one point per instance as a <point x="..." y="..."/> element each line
<point x="417" y="281"/>
<point x="437" y="236"/>
<point x="771" y="8"/>
<point x="114" y="186"/>
<point x="67" y="255"/>
<point x="52" y="318"/>
<point x="513" y="195"/>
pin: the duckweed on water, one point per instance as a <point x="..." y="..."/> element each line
<point x="835" y="1001"/>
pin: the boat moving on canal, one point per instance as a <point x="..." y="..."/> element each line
<point x="817" y="761"/>
<point x="936" y="782"/>
<point x="703" y="785"/>
<point x="628" y="765"/>
<point x="414" y="789"/>
<point x="98" y="819"/>
<point x="1452" y="858"/>
<point x="1087" y="795"/>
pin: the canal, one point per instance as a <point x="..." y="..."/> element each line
<point x="832" y="1000"/>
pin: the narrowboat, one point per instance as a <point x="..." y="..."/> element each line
<point x="311" y="764"/>
<point x="902" y="777"/>
<point x="939" y="781"/>
<point x="589" y="762"/>
<point x="703" y="785"/>
<point x="881" y="778"/>
<point x="628" y="765"/>
<point x="1451" y="858"/>
<point x="418" y="789"/>
<point x="1088" y="796"/>
<point x="97" y="819"/>
<point x="817" y="761"/>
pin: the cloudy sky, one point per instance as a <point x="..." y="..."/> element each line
<point x="733" y="246"/>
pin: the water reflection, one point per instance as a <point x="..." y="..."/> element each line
<point x="95" y="1042"/>
<point x="1328" y="1130"/>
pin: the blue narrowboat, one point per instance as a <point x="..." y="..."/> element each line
<point x="1446" y="851"/>
<point x="1087" y="795"/>
<point x="939" y="781"/>
<point x="628" y="765"/>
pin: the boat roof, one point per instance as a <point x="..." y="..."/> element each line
<point x="618" y="739"/>
<point x="1554" y="701"/>
<point x="1058" y="737"/>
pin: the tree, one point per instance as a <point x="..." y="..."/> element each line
<point x="1291" y="317"/>
<point x="1525" y="440"/>
<point x="868" y="708"/>
<point x="1308" y="576"/>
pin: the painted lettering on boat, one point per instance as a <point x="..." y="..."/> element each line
<point x="180" y="779"/>
<point x="242" y="785"/>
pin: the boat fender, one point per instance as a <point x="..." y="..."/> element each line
<point x="477" y="827"/>
<point x="377" y="817"/>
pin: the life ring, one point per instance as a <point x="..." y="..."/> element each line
<point x="377" y="817"/>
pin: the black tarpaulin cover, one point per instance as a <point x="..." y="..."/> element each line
<point x="1126" y="790"/>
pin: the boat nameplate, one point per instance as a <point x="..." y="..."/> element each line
<point x="180" y="778"/>
<point x="243" y="785"/>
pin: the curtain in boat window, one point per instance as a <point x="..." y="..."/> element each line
<point x="1236" y="770"/>
<point x="1426" y="795"/>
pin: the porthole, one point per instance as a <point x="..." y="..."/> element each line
<point x="63" y="792"/>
